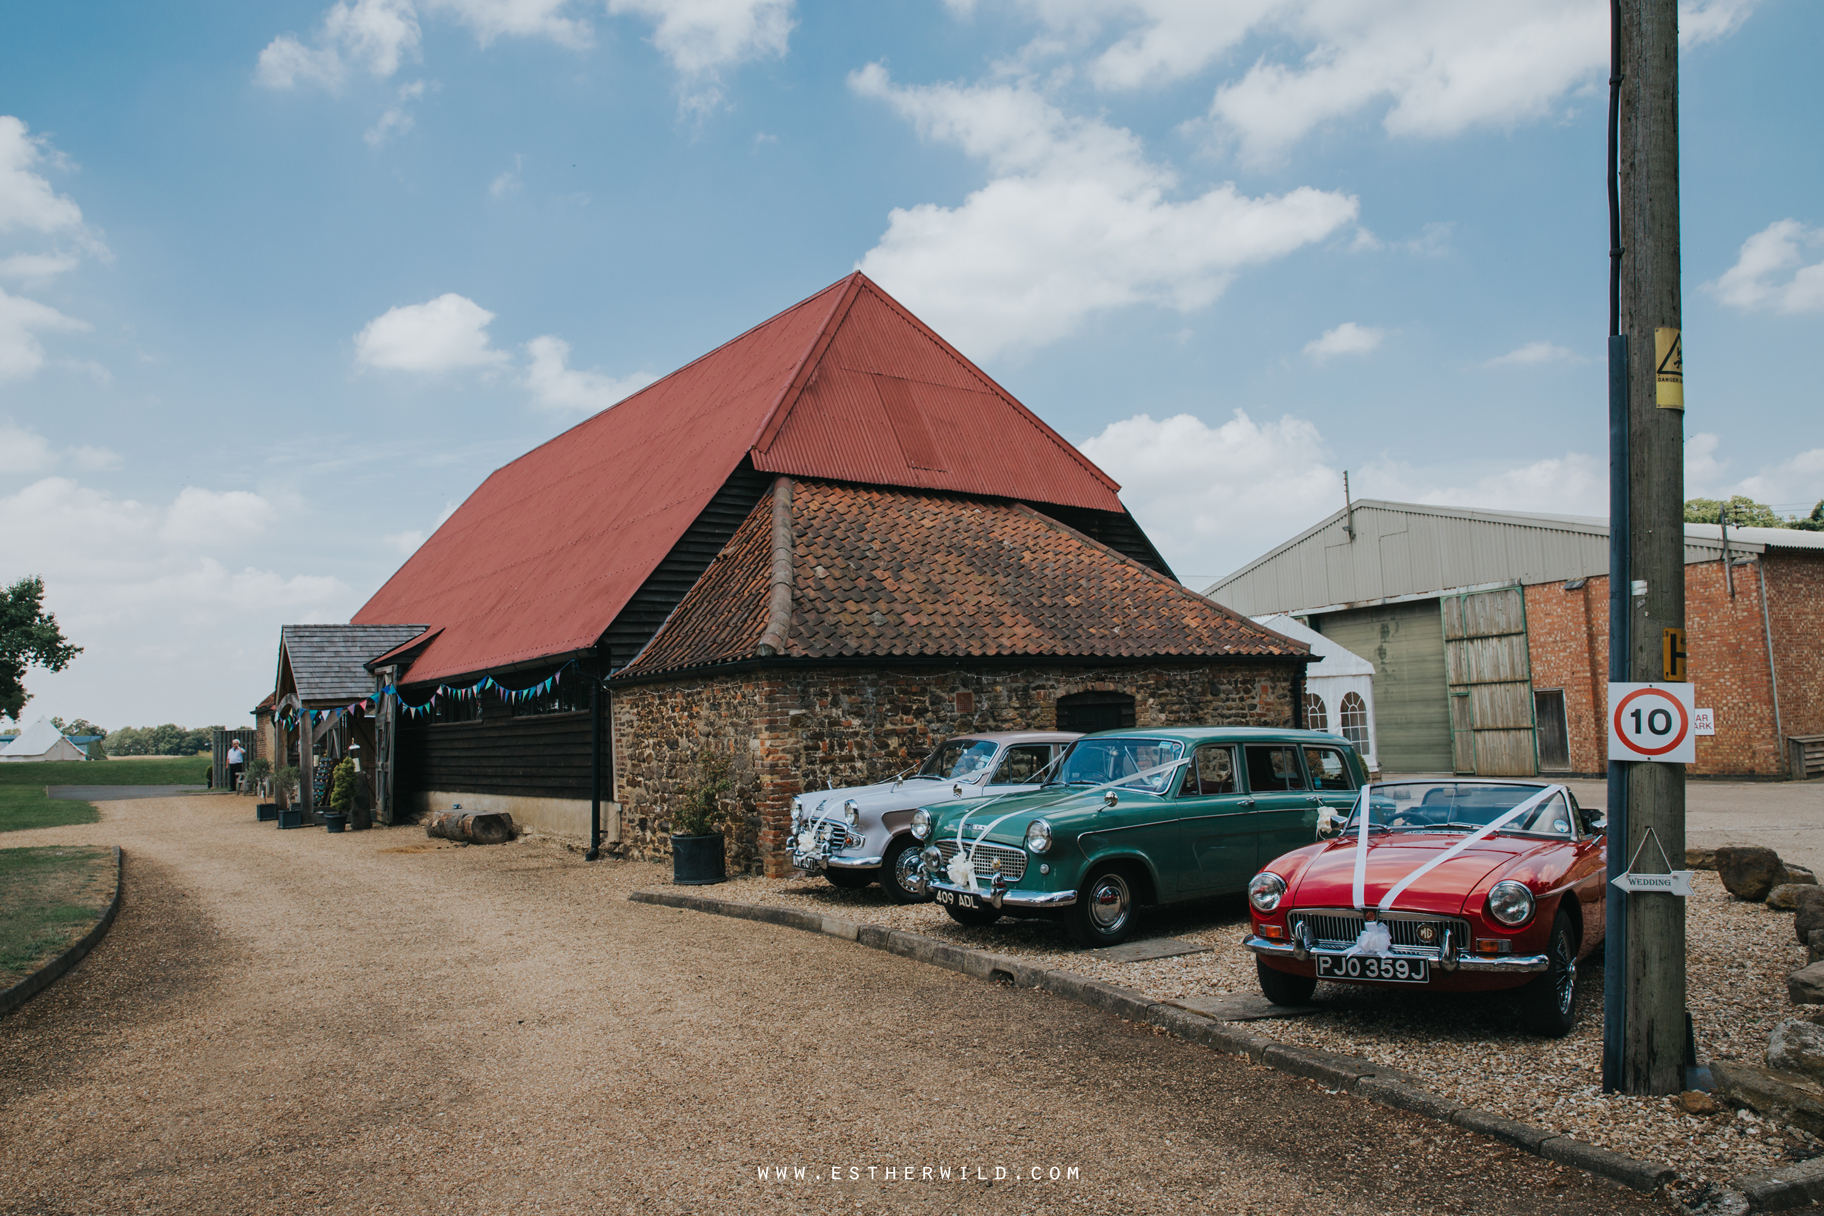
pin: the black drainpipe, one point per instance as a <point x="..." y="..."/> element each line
<point x="595" y="765"/>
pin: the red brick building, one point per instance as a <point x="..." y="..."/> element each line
<point x="1489" y="635"/>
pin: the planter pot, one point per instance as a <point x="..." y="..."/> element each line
<point x="696" y="861"/>
<point x="291" y="817"/>
<point x="266" y="812"/>
<point x="335" y="821"/>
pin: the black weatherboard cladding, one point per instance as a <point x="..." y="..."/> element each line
<point x="543" y="756"/>
<point x="684" y="565"/>
<point x="1115" y="529"/>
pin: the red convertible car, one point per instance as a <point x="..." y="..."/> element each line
<point x="1451" y="886"/>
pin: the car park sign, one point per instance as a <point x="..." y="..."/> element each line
<point x="1653" y="722"/>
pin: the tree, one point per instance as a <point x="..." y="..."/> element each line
<point x="1744" y="512"/>
<point x="1813" y="522"/>
<point x="29" y="637"/>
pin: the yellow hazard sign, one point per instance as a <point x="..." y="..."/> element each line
<point x="1673" y="656"/>
<point x="1669" y="369"/>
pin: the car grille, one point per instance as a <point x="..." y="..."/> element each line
<point x="838" y="834"/>
<point x="1013" y="861"/>
<point x="1339" y="929"/>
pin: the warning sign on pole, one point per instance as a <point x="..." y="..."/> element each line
<point x="1653" y="722"/>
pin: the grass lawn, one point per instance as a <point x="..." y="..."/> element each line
<point x="48" y="898"/>
<point x="23" y="803"/>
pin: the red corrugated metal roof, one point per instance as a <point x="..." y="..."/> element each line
<point x="845" y="385"/>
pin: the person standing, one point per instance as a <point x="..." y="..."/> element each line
<point x="236" y="760"/>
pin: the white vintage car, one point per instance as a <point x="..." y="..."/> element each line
<point x="858" y="835"/>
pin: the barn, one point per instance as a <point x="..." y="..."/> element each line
<point x="811" y="552"/>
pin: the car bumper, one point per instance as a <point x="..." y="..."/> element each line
<point x="1004" y="897"/>
<point x="1508" y="964"/>
<point x="817" y="863"/>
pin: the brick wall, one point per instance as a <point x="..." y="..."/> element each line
<point x="1568" y="639"/>
<point x="794" y="729"/>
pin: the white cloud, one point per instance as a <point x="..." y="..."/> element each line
<point x="199" y="516"/>
<point x="1436" y="67"/>
<point x="566" y="389"/>
<point x="36" y="267"/>
<point x="1703" y="470"/>
<point x="491" y="19"/>
<point x="703" y="37"/>
<point x="448" y="332"/>
<point x="397" y="120"/>
<point x="1075" y="220"/>
<point x="21" y="321"/>
<point x="1797" y="481"/>
<point x="1534" y="353"/>
<point x="1346" y="339"/>
<point x="377" y="34"/>
<point x="26" y="198"/>
<point x="1572" y="484"/>
<point x="23" y="451"/>
<point x="1209" y="496"/>
<point x="287" y="63"/>
<point x="92" y="459"/>
<point x="1769" y="273"/>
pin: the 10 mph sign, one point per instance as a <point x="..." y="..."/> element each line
<point x="1652" y="722"/>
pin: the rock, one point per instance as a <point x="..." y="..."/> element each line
<point x="1700" y="859"/>
<point x="1810" y="918"/>
<point x="1814" y="945"/>
<point x="1806" y="985"/>
<point x="1697" y="1102"/>
<point x="1797" y="1046"/>
<point x="1789" y="895"/>
<point x="1784" y="1097"/>
<point x="1749" y="871"/>
<point x="1800" y="875"/>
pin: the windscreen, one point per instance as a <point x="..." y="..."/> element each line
<point x="1462" y="806"/>
<point x="1099" y="761"/>
<point x="957" y="758"/>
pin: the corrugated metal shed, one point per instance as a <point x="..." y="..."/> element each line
<point x="545" y="554"/>
<point x="1413" y="549"/>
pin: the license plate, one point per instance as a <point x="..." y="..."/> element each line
<point x="1386" y="970"/>
<point x="956" y="900"/>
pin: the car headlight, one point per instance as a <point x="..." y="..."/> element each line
<point x="851" y="812"/>
<point x="1266" y="891"/>
<point x="1510" y="903"/>
<point x="1038" y="836"/>
<point x="921" y="824"/>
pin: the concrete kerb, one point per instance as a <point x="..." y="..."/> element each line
<point x="42" y="978"/>
<point x="1352" y="1074"/>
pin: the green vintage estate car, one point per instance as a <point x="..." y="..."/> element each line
<point x="1134" y="817"/>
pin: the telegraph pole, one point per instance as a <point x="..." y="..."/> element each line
<point x="1649" y="1057"/>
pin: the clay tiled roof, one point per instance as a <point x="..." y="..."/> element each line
<point x="909" y="573"/>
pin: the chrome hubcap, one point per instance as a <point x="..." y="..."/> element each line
<point x="1109" y="902"/>
<point x="909" y="872"/>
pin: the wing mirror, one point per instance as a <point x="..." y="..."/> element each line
<point x="956" y="791"/>
<point x="1108" y="798"/>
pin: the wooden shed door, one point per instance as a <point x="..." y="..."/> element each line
<point x="1491" y="684"/>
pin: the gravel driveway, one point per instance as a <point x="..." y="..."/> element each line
<point x="299" y="1022"/>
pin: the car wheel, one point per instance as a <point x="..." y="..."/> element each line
<point x="1282" y="987"/>
<point x="1104" y="912"/>
<point x="850" y="880"/>
<point x="1550" y="1001"/>
<point x="902" y="873"/>
<point x="973" y="918"/>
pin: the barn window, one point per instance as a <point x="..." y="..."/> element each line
<point x="1354" y="723"/>
<point x="1093" y="711"/>
<point x="1315" y="717"/>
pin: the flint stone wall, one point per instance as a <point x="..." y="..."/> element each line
<point x="790" y="729"/>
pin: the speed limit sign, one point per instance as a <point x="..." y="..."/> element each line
<point x="1652" y="722"/>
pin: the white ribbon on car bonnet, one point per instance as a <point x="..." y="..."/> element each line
<point x="982" y="835"/>
<point x="1399" y="888"/>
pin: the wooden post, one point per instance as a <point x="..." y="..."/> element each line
<point x="1653" y="1052"/>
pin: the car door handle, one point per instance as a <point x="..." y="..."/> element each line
<point x="1247" y="802"/>
<point x="1314" y="799"/>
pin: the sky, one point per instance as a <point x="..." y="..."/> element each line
<point x="280" y="284"/>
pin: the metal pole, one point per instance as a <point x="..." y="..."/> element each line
<point x="1654" y="1039"/>
<point x="595" y="768"/>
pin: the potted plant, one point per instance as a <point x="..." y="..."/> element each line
<point x="285" y="783"/>
<point x="696" y="827"/>
<point x="341" y="796"/>
<point x="259" y="770"/>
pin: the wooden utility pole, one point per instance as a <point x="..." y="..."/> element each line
<point x="1652" y="1057"/>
